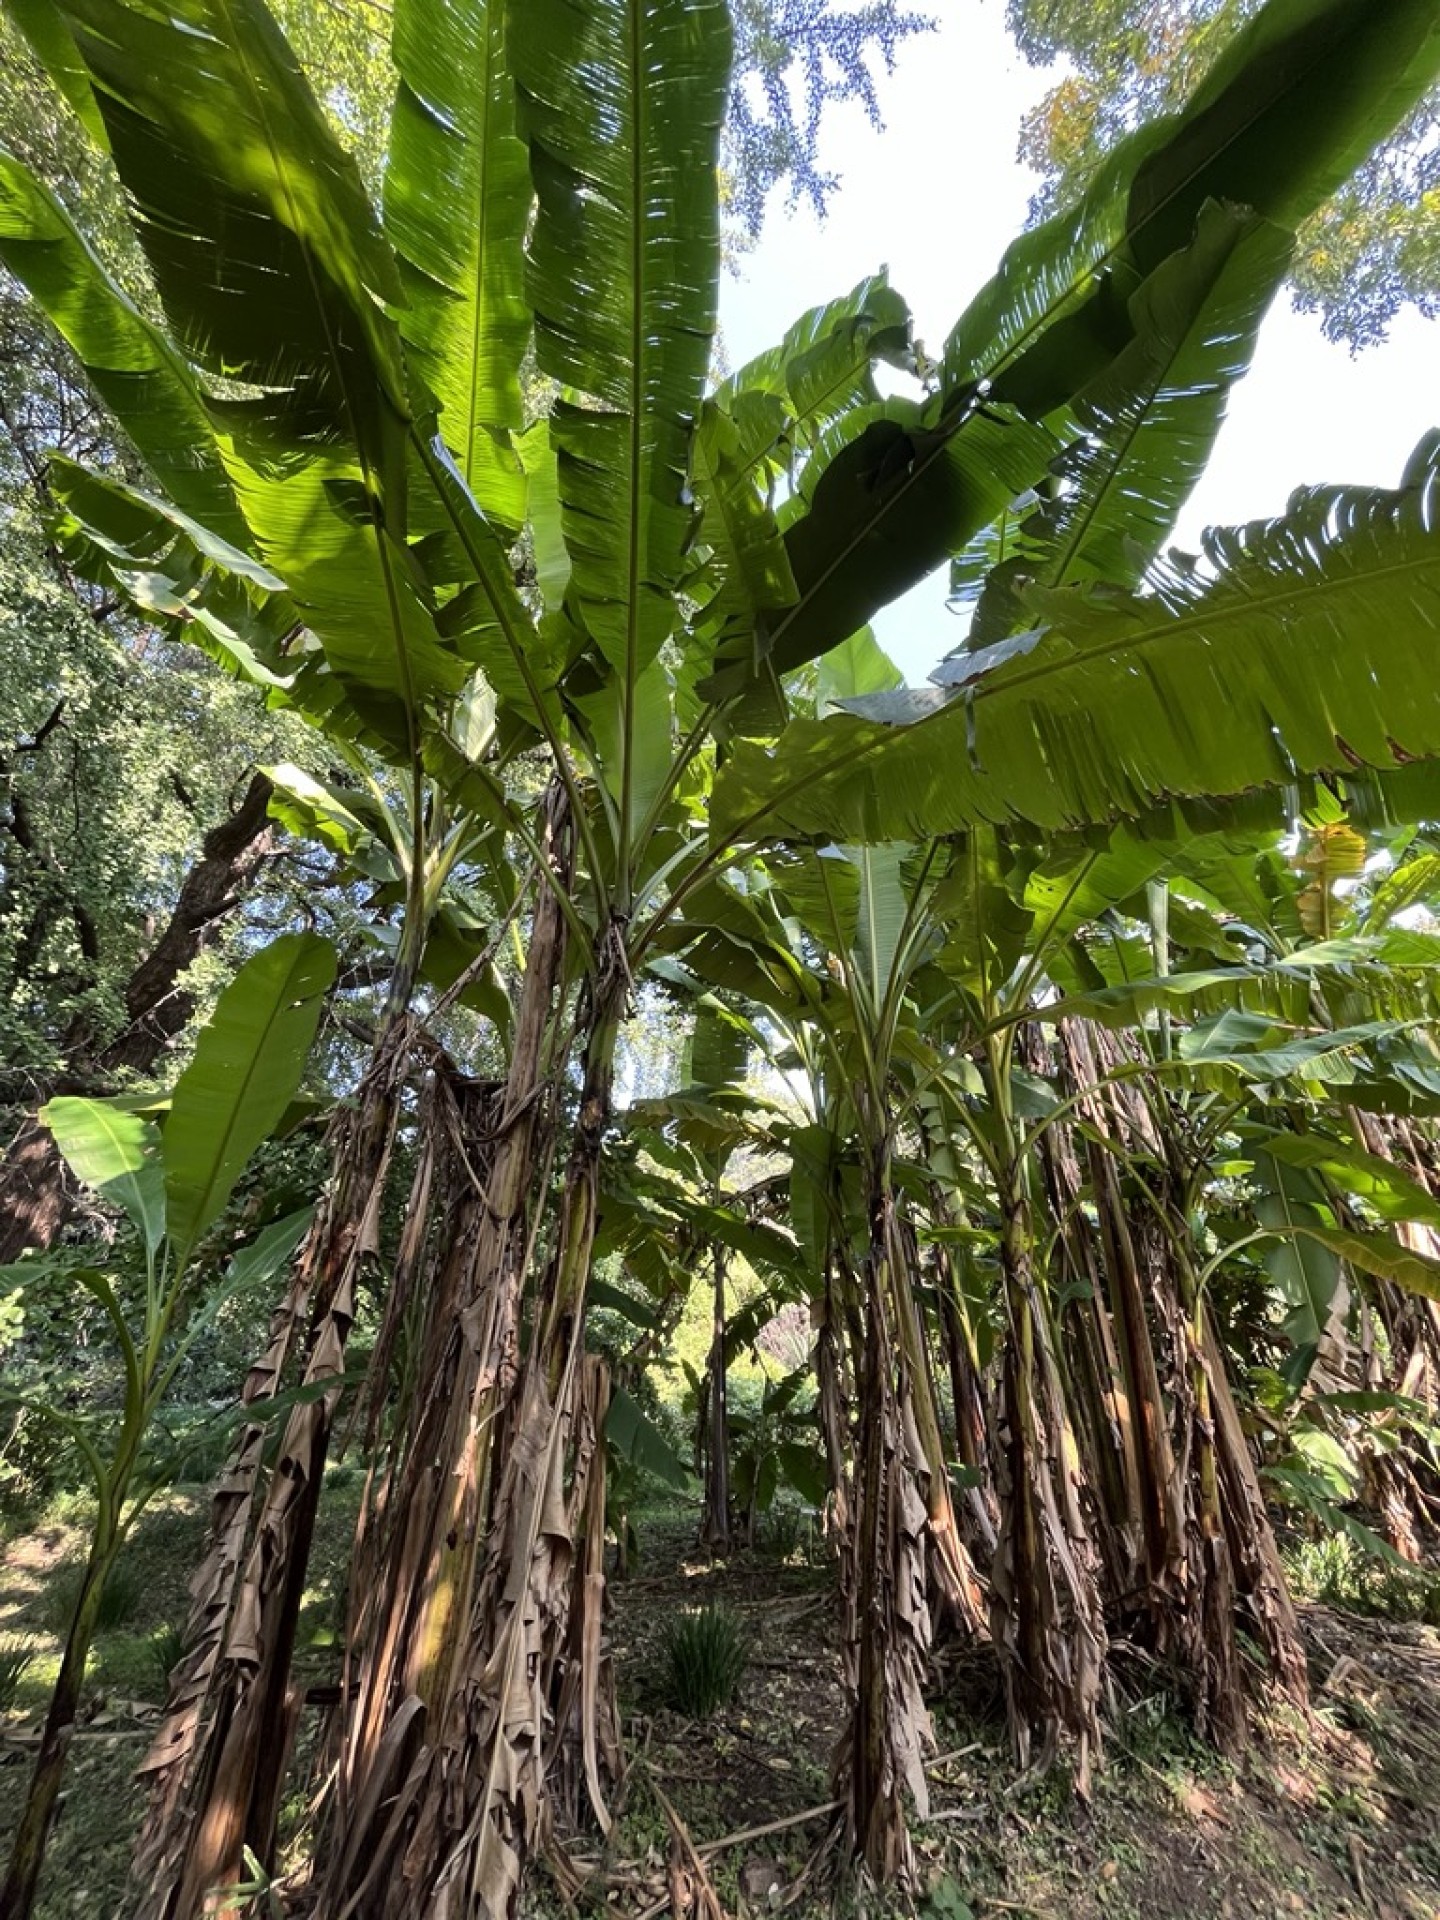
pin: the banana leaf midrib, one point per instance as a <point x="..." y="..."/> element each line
<point x="639" y="285"/>
<point x="486" y="91"/>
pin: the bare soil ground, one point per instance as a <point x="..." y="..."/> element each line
<point x="1337" y="1815"/>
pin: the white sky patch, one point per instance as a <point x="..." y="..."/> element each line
<point x="939" y="195"/>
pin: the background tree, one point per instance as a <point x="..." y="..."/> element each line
<point x="1373" y="249"/>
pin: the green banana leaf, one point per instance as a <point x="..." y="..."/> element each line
<point x="247" y="1064"/>
<point x="1311" y="648"/>
<point x="114" y="1152"/>
<point x="457" y="199"/>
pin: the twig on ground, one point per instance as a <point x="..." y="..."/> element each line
<point x="771" y="1826"/>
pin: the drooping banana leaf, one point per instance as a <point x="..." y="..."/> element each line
<point x="717" y="1050"/>
<point x="1381" y="1184"/>
<point x="1301" y="95"/>
<point x="176" y="570"/>
<point x="116" y="1153"/>
<point x="273" y="273"/>
<point x="891" y="491"/>
<point x="1313" y="647"/>
<point x="132" y="366"/>
<point x="1148" y="422"/>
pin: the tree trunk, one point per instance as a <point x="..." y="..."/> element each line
<point x="715" y="1526"/>
<point x="36" y="1191"/>
<point x="526" y="1724"/>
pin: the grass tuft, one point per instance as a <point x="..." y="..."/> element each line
<point x="16" y="1659"/>
<point x="706" y="1651"/>
<point x="1335" y="1571"/>
<point x="165" y="1647"/>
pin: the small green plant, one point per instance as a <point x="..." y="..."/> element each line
<point x="946" y="1900"/>
<point x="1336" y="1571"/>
<point x="173" y="1187"/>
<point x="120" y="1598"/>
<point x="15" y="1660"/>
<point x="705" y="1649"/>
<point x="165" y="1647"/>
<point x="791" y="1533"/>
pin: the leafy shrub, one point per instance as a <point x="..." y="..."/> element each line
<point x="15" y="1659"/>
<point x="706" y="1651"/>
<point x="791" y="1533"/>
<point x="31" y="1466"/>
<point x="119" y="1602"/>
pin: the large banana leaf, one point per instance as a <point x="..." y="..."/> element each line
<point x="1293" y="105"/>
<point x="1312" y="647"/>
<point x="247" y="1065"/>
<point x="132" y="366"/>
<point x="622" y="103"/>
<point x="1147" y="424"/>
<point x="457" y="199"/>
<point x="256" y="224"/>
<point x="358" y="587"/>
<point x="1307" y="89"/>
<point x="1299" y="97"/>
<point x="272" y="271"/>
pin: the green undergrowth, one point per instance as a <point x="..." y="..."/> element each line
<point x="1334" y="1571"/>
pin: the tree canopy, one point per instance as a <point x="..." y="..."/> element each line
<point x="1370" y="251"/>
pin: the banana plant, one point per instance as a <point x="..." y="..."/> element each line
<point x="825" y="946"/>
<point x="172" y="1183"/>
<point x="1132" y="1145"/>
<point x="341" y="387"/>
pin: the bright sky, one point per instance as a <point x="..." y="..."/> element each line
<point x="937" y="197"/>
